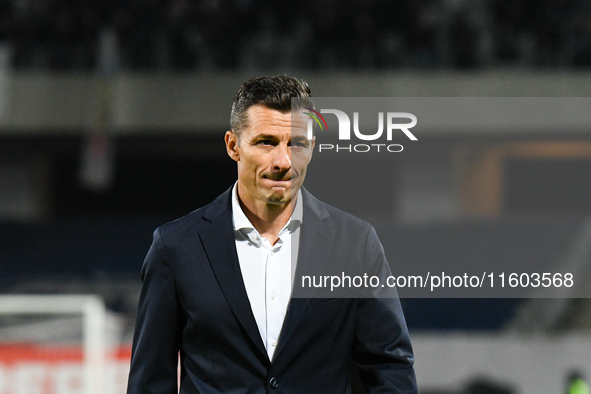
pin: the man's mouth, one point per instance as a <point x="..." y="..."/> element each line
<point x="279" y="182"/>
<point x="278" y="179"/>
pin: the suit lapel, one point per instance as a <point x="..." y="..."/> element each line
<point x="316" y="238"/>
<point x="219" y="244"/>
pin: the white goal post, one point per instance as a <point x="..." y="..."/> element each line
<point x="93" y="312"/>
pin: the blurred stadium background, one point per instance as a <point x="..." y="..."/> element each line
<point x="112" y="116"/>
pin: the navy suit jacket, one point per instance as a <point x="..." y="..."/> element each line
<point x="193" y="301"/>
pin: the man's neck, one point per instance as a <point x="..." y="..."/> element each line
<point x="267" y="219"/>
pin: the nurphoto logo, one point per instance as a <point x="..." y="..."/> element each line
<point x="344" y="132"/>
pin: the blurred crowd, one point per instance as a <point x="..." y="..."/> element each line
<point x="310" y="34"/>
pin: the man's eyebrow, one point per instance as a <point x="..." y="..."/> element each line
<point x="299" y="138"/>
<point x="264" y="137"/>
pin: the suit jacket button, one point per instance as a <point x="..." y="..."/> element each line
<point x="273" y="382"/>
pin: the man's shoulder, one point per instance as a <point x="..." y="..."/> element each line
<point x="197" y="219"/>
<point x="337" y="217"/>
<point x="193" y="220"/>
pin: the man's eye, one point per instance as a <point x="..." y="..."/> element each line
<point x="264" y="142"/>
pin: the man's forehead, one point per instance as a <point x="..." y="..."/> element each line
<point x="267" y="117"/>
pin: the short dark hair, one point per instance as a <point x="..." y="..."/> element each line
<point x="271" y="92"/>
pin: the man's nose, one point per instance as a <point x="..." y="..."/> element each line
<point x="282" y="158"/>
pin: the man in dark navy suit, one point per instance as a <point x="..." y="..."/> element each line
<point x="219" y="287"/>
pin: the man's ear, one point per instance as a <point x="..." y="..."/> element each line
<point x="231" y="139"/>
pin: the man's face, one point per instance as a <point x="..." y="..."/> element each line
<point x="272" y="153"/>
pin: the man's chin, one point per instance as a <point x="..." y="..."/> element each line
<point x="279" y="196"/>
<point x="278" y="199"/>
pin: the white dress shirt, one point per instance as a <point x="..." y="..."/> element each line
<point x="267" y="269"/>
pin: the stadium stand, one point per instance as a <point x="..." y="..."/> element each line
<point x="241" y="34"/>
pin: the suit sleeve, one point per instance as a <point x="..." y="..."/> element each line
<point x="382" y="349"/>
<point x="156" y="341"/>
